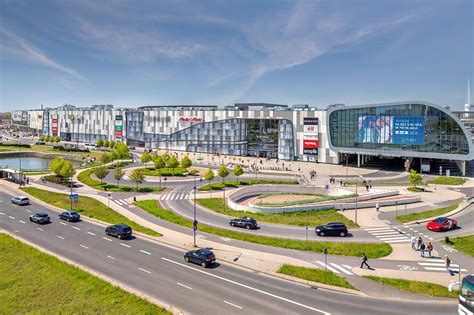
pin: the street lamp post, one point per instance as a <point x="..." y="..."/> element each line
<point x="20" y="177"/>
<point x="195" y="215"/>
<point x="306" y="237"/>
<point x="70" y="183"/>
<point x="356" y="204"/>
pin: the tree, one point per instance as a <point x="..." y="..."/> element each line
<point x="137" y="176"/>
<point x="122" y="151"/>
<point x="56" y="166"/>
<point x="172" y="163"/>
<point x="238" y="171"/>
<point x="165" y="156"/>
<point x="67" y="170"/>
<point x="101" y="172"/>
<point x="57" y="139"/>
<point x="119" y="173"/>
<point x="106" y="143"/>
<point x="223" y="172"/>
<point x="186" y="162"/>
<point x="209" y="175"/>
<point x="146" y="157"/>
<point x="100" y="142"/>
<point x="105" y="158"/>
<point x="111" y="144"/>
<point x="159" y="164"/>
<point x="415" y="178"/>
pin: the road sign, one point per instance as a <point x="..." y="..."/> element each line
<point x="74" y="197"/>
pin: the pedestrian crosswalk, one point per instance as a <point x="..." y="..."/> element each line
<point x="438" y="264"/>
<point x="175" y="195"/>
<point x="122" y="202"/>
<point x="336" y="268"/>
<point x="390" y="234"/>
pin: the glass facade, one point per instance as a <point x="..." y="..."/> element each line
<point x="408" y="127"/>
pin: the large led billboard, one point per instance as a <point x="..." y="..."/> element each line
<point x="391" y="129"/>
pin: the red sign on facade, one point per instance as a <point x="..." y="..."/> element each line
<point x="54" y="129"/>
<point x="191" y="119"/>
<point x="54" y="120"/>
<point x="118" y="133"/>
<point x="310" y="144"/>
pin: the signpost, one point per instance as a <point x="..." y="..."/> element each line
<point x="325" y="258"/>
<point x="73" y="197"/>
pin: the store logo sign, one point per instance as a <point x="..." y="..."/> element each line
<point x="190" y="119"/>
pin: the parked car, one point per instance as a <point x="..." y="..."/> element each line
<point x="131" y="147"/>
<point x="332" y="229"/>
<point x="40" y="143"/>
<point x="120" y="231"/>
<point x="204" y="257"/>
<point x="40" y="218"/>
<point x="21" y="200"/>
<point x="245" y="222"/>
<point x="70" y="216"/>
<point x="442" y="224"/>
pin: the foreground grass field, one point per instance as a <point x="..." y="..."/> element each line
<point x="463" y="244"/>
<point x="404" y="218"/>
<point x="444" y="180"/>
<point x="88" y="207"/>
<point x="303" y="218"/>
<point x="372" y="250"/>
<point x="420" y="287"/>
<point x="49" y="149"/>
<point x="34" y="282"/>
<point x="316" y="275"/>
<point x="235" y="183"/>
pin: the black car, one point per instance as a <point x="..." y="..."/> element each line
<point x="119" y="230"/>
<point x="244" y="222"/>
<point x="203" y="257"/>
<point x="40" y="143"/>
<point x="332" y="229"/>
<point x="70" y="216"/>
<point x="40" y="218"/>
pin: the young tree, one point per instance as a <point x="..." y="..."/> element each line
<point x="165" y="156"/>
<point x="415" y="178"/>
<point x="57" y="139"/>
<point x="238" y="171"/>
<point x="119" y="173"/>
<point x="100" y="142"/>
<point x="67" y="170"/>
<point x="56" y="166"/>
<point x="209" y="175"/>
<point x="159" y="164"/>
<point x="146" y="157"/>
<point x="137" y="176"/>
<point x="111" y="144"/>
<point x="172" y="163"/>
<point x="106" y="143"/>
<point x="186" y="162"/>
<point x="223" y="172"/>
<point x="122" y="151"/>
<point x="105" y="158"/>
<point x="101" y="172"/>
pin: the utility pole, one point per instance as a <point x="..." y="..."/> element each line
<point x="70" y="182"/>
<point x="356" y="203"/>
<point x="20" y="176"/>
<point x="195" y="215"/>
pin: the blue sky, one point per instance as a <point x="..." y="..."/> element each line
<point x="136" y="53"/>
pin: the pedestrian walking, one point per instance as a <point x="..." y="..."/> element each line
<point x="377" y="207"/>
<point x="429" y="248"/>
<point x="422" y="249"/>
<point x="447" y="261"/>
<point x="364" y="261"/>
<point x="413" y="241"/>
<point x="420" y="241"/>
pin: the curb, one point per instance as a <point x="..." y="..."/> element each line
<point x="455" y="211"/>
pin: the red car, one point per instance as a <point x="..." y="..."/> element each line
<point x="442" y="224"/>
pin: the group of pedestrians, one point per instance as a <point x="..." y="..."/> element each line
<point x="332" y="180"/>
<point x="312" y="174"/>
<point x="418" y="244"/>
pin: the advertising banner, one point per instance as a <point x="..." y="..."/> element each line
<point x="310" y="135"/>
<point x="118" y="133"/>
<point x="118" y="127"/>
<point x="118" y="117"/>
<point x="190" y="119"/>
<point x="310" y="144"/>
<point x="391" y="129"/>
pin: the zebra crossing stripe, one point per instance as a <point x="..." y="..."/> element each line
<point x="342" y="269"/>
<point x="398" y="241"/>
<point x="394" y="238"/>
<point x="386" y="233"/>
<point x="378" y="229"/>
<point x="441" y="269"/>
<point x="119" y="202"/>
<point x="327" y="266"/>
<point x="440" y="264"/>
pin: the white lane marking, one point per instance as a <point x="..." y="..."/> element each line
<point x="125" y="245"/>
<point x="38" y="228"/>
<point x="145" y="252"/>
<point x="91" y="233"/>
<point x="76" y="228"/>
<point x="21" y="221"/>
<point x="415" y="231"/>
<point x="232" y="304"/>
<point x="108" y="256"/>
<point x="83" y="246"/>
<point x="327" y="266"/>
<point x="348" y="267"/>
<point x="107" y="239"/>
<point x="27" y="210"/>
<point x="386" y="232"/>
<point x="2" y="201"/>
<point x="394" y="238"/>
<point x="389" y="235"/>
<point x="58" y="236"/>
<point x="144" y="270"/>
<point x="2" y="213"/>
<point x="62" y="223"/>
<point x="184" y="286"/>
<point x="246" y="286"/>
<point x="442" y="269"/>
<point x="440" y="264"/>
<point x="430" y="238"/>
<point x="342" y="269"/>
<point x="398" y="241"/>
<point x="13" y="218"/>
<point x="119" y="202"/>
<point x="378" y="229"/>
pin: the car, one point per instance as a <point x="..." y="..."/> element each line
<point x="131" y="147"/>
<point x="245" y="222"/>
<point x="203" y="256"/>
<point x="332" y="229"/>
<point x="40" y="143"/>
<point x="442" y="224"/>
<point x="119" y="231"/>
<point x="40" y="218"/>
<point x="70" y="216"/>
<point x="21" y="200"/>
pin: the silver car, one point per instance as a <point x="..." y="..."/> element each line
<point x="21" y="200"/>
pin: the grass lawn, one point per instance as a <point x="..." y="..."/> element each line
<point x="425" y="214"/>
<point x="420" y="287"/>
<point x="444" y="180"/>
<point x="178" y="171"/>
<point x="86" y="206"/>
<point x="317" y="198"/>
<point x="463" y="244"/>
<point x="316" y="275"/>
<point x="36" y="283"/>
<point x="36" y="172"/>
<point x="85" y="178"/>
<point x="235" y="183"/>
<point x="373" y="250"/>
<point x="416" y="189"/>
<point x="49" y="149"/>
<point x="303" y="218"/>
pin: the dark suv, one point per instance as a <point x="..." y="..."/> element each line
<point x="203" y="257"/>
<point x="40" y="218"/>
<point x="244" y="222"/>
<point x="332" y="229"/>
<point x="119" y="230"/>
<point x="70" y="216"/>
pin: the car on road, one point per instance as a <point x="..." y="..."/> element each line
<point x="332" y="229"/>
<point x="203" y="256"/>
<point x="40" y="143"/>
<point x="245" y="222"/>
<point x="40" y="218"/>
<point x="120" y="231"/>
<point x="131" y="147"/>
<point x="70" y="216"/>
<point x="442" y="224"/>
<point x="21" y="200"/>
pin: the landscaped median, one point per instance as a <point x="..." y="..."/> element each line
<point x="372" y="250"/>
<point x="315" y="275"/>
<point x="235" y="183"/>
<point x="86" y="206"/>
<point x="34" y="282"/>
<point x="445" y="180"/>
<point x="463" y="244"/>
<point x="419" y="287"/>
<point x="301" y="218"/>
<point x="416" y="216"/>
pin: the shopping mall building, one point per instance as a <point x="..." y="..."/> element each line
<point x="412" y="131"/>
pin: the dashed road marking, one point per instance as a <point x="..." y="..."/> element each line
<point x="144" y="270"/>
<point x="38" y="228"/>
<point x="145" y="252"/>
<point x="76" y="228"/>
<point x="125" y="245"/>
<point x="13" y="218"/>
<point x="21" y="221"/>
<point x="184" y="286"/>
<point x="58" y="236"/>
<point x="107" y="239"/>
<point x="234" y="305"/>
<point x="62" y="223"/>
<point x="2" y="213"/>
<point x="27" y="210"/>
<point x="108" y="256"/>
<point x="83" y="246"/>
<point x="91" y="233"/>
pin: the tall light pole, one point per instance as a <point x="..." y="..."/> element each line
<point x="20" y="177"/>
<point x="195" y="215"/>
<point x="71" y="191"/>
<point x="356" y="203"/>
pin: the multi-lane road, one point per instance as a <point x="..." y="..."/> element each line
<point x="160" y="272"/>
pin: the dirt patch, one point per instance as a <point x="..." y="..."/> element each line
<point x="286" y="198"/>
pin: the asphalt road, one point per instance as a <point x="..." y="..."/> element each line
<point x="161" y="272"/>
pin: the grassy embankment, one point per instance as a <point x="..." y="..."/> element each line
<point x="167" y="172"/>
<point x="315" y="275"/>
<point x="416" y="216"/>
<point x="464" y="244"/>
<point x="316" y="198"/>
<point x="419" y="287"/>
<point x="444" y="180"/>
<point x="235" y="183"/>
<point x="373" y="250"/>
